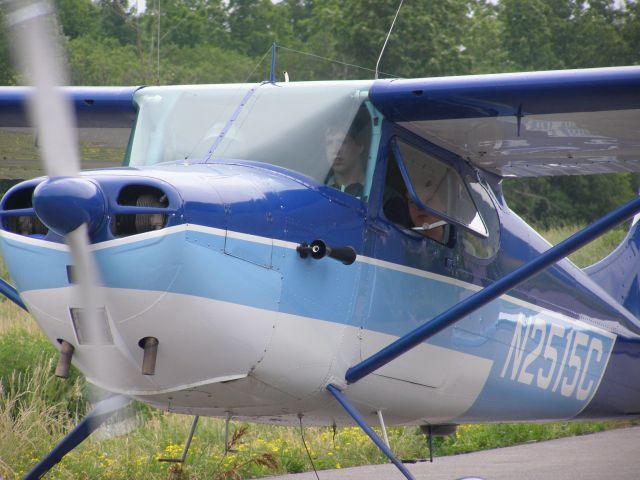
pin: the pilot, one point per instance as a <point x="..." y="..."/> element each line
<point x="347" y="154"/>
<point x="347" y="169"/>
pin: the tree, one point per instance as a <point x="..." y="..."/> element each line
<point x="7" y="72"/>
<point x="427" y="40"/>
<point x="527" y="35"/>
<point x="105" y="61"/>
<point x="569" y="200"/>
<point x="483" y="43"/>
<point x="116" y="21"/>
<point x="255" y="24"/>
<point x="631" y="31"/>
<point x="78" y="17"/>
<point x="192" y="22"/>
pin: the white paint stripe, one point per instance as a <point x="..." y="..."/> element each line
<point x="141" y="237"/>
<point x="285" y="244"/>
<point x="37" y="242"/>
<point x="203" y="229"/>
<point x="249" y="238"/>
<point x="292" y="246"/>
<point x="417" y="272"/>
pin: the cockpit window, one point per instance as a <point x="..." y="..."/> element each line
<point x="437" y="189"/>
<point x="348" y="154"/>
<point x="399" y="209"/>
<point x="288" y="125"/>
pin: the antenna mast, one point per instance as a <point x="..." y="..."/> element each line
<point x="387" y="39"/>
<point x="158" y="42"/>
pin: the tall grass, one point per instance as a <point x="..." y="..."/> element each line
<point x="592" y="252"/>
<point x="37" y="410"/>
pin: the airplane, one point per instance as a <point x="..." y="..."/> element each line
<point x="239" y="265"/>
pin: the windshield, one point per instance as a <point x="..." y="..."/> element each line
<point x="292" y="125"/>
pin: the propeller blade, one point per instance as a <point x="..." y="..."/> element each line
<point x="39" y="55"/>
<point x="87" y="278"/>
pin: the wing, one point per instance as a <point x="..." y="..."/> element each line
<point x="104" y="119"/>
<point x="525" y="124"/>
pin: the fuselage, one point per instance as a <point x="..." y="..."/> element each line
<point x="248" y="327"/>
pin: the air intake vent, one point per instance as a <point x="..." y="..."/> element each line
<point x="144" y="198"/>
<point x="26" y="222"/>
<point x="20" y="198"/>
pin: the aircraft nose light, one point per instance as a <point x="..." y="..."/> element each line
<point x="65" y="203"/>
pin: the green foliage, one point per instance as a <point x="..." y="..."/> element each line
<point x="7" y="72"/>
<point x="568" y="200"/>
<point x="103" y="61"/>
<point x="441" y="37"/>
<point x="78" y="17"/>
<point x="470" y="438"/>
<point x="192" y="23"/>
<point x="484" y="43"/>
<point x="592" y="252"/>
<point x="21" y="354"/>
<point x="204" y="64"/>
<point x="631" y="30"/>
<point x="358" y="30"/>
<point x="255" y="24"/>
<point x="528" y="36"/>
<point x="115" y="21"/>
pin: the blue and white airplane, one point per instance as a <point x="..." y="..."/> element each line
<point x="336" y="251"/>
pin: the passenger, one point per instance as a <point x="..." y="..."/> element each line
<point x="425" y="223"/>
<point x="400" y="209"/>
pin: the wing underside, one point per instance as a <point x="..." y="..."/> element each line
<point x="571" y="122"/>
<point x="104" y="119"/>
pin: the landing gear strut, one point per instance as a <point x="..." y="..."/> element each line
<point x="187" y="444"/>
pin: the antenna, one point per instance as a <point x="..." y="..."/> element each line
<point x="387" y="39"/>
<point x="159" y="42"/>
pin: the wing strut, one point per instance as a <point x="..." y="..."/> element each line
<point x="350" y="409"/>
<point x="493" y="291"/>
<point x="11" y="293"/>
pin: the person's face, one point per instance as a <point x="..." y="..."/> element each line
<point x="343" y="152"/>
<point x="419" y="217"/>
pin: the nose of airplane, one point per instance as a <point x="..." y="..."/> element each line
<point x="65" y="203"/>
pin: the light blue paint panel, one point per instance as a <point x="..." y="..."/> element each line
<point x="322" y="289"/>
<point x="34" y="268"/>
<point x="247" y="251"/>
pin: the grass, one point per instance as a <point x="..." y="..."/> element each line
<point x="37" y="410"/>
<point x="19" y="156"/>
<point x="591" y="252"/>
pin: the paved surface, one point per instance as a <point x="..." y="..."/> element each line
<point x="614" y="454"/>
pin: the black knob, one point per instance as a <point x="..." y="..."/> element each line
<point x="318" y="249"/>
